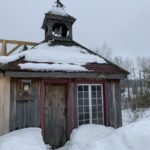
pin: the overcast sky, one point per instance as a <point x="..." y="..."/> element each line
<point x="123" y="24"/>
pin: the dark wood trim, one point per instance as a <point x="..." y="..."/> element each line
<point x="85" y="75"/>
<point x="88" y="81"/>
<point x="70" y="103"/>
<point x="42" y="106"/>
<point x="76" y="105"/>
<point x="55" y="80"/>
<point x="106" y="107"/>
<point x="42" y="101"/>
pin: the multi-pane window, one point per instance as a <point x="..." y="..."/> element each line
<point x="90" y="104"/>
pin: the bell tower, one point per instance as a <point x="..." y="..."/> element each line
<point x="57" y="23"/>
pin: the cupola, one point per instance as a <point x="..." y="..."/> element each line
<point x="57" y="23"/>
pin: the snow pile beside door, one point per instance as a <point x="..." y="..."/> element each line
<point x="24" y="139"/>
<point x="135" y="136"/>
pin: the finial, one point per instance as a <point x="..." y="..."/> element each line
<point x="59" y="4"/>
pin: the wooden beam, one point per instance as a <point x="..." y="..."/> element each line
<point x="11" y="51"/>
<point x="3" y="51"/>
<point x="19" y="42"/>
<point x="65" y="75"/>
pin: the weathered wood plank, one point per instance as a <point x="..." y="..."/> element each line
<point x="1" y="104"/>
<point x="25" y="113"/>
<point x="3" y="50"/>
<point x="11" y="51"/>
<point x="18" y="42"/>
<point x="4" y="105"/>
<point x="55" y="113"/>
<point x="65" y="75"/>
<point x="118" y="103"/>
<point x="114" y="103"/>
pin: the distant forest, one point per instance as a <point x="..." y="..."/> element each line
<point x="136" y="89"/>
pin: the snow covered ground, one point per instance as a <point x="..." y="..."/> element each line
<point x="129" y="116"/>
<point x="24" y="139"/>
<point x="134" y="136"/>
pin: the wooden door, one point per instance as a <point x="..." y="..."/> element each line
<point x="55" y="115"/>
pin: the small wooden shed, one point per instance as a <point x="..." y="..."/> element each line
<point x="59" y="85"/>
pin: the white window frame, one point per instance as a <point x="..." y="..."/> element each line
<point x="90" y="100"/>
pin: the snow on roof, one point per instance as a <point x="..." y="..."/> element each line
<point x="64" y="57"/>
<point x="52" y="67"/>
<point x="58" y="11"/>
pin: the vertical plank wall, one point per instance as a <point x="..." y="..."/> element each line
<point x="114" y="98"/>
<point x="24" y="113"/>
<point x="4" y="104"/>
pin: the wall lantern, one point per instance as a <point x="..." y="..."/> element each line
<point x="26" y="86"/>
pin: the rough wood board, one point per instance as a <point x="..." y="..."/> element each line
<point x="24" y="113"/>
<point x="1" y="104"/>
<point x="55" y="113"/>
<point x="4" y="105"/>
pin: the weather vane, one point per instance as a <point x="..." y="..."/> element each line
<point x="59" y="4"/>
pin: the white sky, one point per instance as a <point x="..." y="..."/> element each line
<point x="123" y="24"/>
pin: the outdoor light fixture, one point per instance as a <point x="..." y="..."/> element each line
<point x="26" y="86"/>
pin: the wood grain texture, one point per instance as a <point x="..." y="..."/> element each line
<point x="24" y="113"/>
<point x="114" y="99"/>
<point x="55" y="115"/>
<point x="4" y="105"/>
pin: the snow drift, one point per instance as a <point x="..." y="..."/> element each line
<point x="24" y="139"/>
<point x="135" y="136"/>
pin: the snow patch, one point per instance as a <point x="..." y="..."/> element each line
<point x="24" y="139"/>
<point x="58" y="55"/>
<point x="134" y="136"/>
<point x="58" y="11"/>
<point x="51" y="67"/>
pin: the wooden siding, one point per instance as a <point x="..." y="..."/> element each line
<point x="24" y="112"/>
<point x="4" y="104"/>
<point x="114" y="103"/>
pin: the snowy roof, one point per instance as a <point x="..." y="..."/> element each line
<point x="58" y="11"/>
<point x="54" y="58"/>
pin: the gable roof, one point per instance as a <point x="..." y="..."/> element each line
<point x="62" y="56"/>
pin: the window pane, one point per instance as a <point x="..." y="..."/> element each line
<point x="81" y="116"/>
<point x="93" y="101"/>
<point x="99" y="108"/>
<point x="99" y="88"/>
<point x="94" y="115"/>
<point x="80" y="88"/>
<point x="100" y="121"/>
<point x="93" y="94"/>
<point x="87" y="121"/>
<point x="80" y="94"/>
<point x="94" y="109"/>
<point x="94" y="121"/>
<point x="86" y="109"/>
<point x="93" y="88"/>
<point x="86" y="95"/>
<point x="81" y="122"/>
<point x="99" y="94"/>
<point x="86" y="88"/>
<point x="86" y="116"/>
<point x="86" y="102"/>
<point x="100" y="114"/>
<point x="99" y="100"/>
<point x="80" y="102"/>
<point x="90" y="102"/>
<point x="80" y="109"/>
